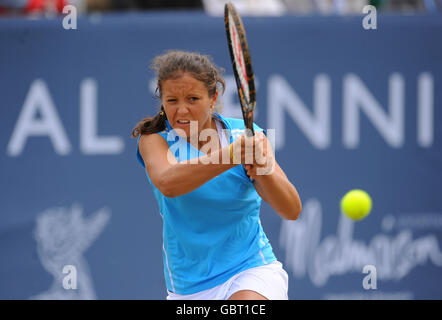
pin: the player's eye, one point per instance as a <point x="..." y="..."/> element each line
<point x="171" y="100"/>
<point x="194" y="98"/>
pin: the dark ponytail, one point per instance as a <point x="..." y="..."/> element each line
<point x="150" y="125"/>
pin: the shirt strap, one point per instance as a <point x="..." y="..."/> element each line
<point x="222" y="135"/>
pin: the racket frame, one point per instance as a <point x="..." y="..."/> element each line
<point x="247" y="95"/>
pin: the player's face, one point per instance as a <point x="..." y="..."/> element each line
<point x="187" y="99"/>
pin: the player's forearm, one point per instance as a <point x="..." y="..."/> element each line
<point x="280" y="193"/>
<point x="186" y="176"/>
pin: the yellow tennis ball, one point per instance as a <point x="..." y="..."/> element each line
<point x="356" y="204"/>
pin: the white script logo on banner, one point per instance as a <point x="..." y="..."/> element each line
<point x="393" y="257"/>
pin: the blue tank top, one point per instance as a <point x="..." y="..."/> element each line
<point x="213" y="232"/>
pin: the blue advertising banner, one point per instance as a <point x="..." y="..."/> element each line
<point x="352" y="108"/>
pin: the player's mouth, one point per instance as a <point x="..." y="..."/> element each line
<point x="183" y="122"/>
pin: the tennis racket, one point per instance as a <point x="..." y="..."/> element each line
<point x="242" y="64"/>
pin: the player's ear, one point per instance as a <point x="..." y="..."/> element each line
<point x="215" y="98"/>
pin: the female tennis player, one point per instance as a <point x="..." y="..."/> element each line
<point x="214" y="246"/>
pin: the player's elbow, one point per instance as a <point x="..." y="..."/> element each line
<point x="293" y="212"/>
<point x="293" y="215"/>
<point x="166" y="188"/>
<point x="168" y="193"/>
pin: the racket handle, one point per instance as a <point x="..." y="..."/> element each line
<point x="248" y="121"/>
<point x="250" y="132"/>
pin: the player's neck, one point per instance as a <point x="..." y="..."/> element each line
<point x="211" y="125"/>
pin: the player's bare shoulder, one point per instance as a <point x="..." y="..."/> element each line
<point x="152" y="145"/>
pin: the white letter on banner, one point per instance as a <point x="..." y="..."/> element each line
<point x="316" y="126"/>
<point x="90" y="143"/>
<point x="356" y="96"/>
<point x="49" y="124"/>
<point x="425" y="110"/>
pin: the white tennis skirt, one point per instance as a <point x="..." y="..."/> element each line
<point x="270" y="281"/>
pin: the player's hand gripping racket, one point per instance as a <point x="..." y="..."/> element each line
<point x="242" y="64"/>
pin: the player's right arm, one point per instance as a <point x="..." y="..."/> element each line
<point x="175" y="178"/>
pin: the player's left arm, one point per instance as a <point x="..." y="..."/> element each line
<point x="272" y="184"/>
<point x="280" y="193"/>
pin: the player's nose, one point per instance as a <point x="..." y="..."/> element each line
<point x="182" y="109"/>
